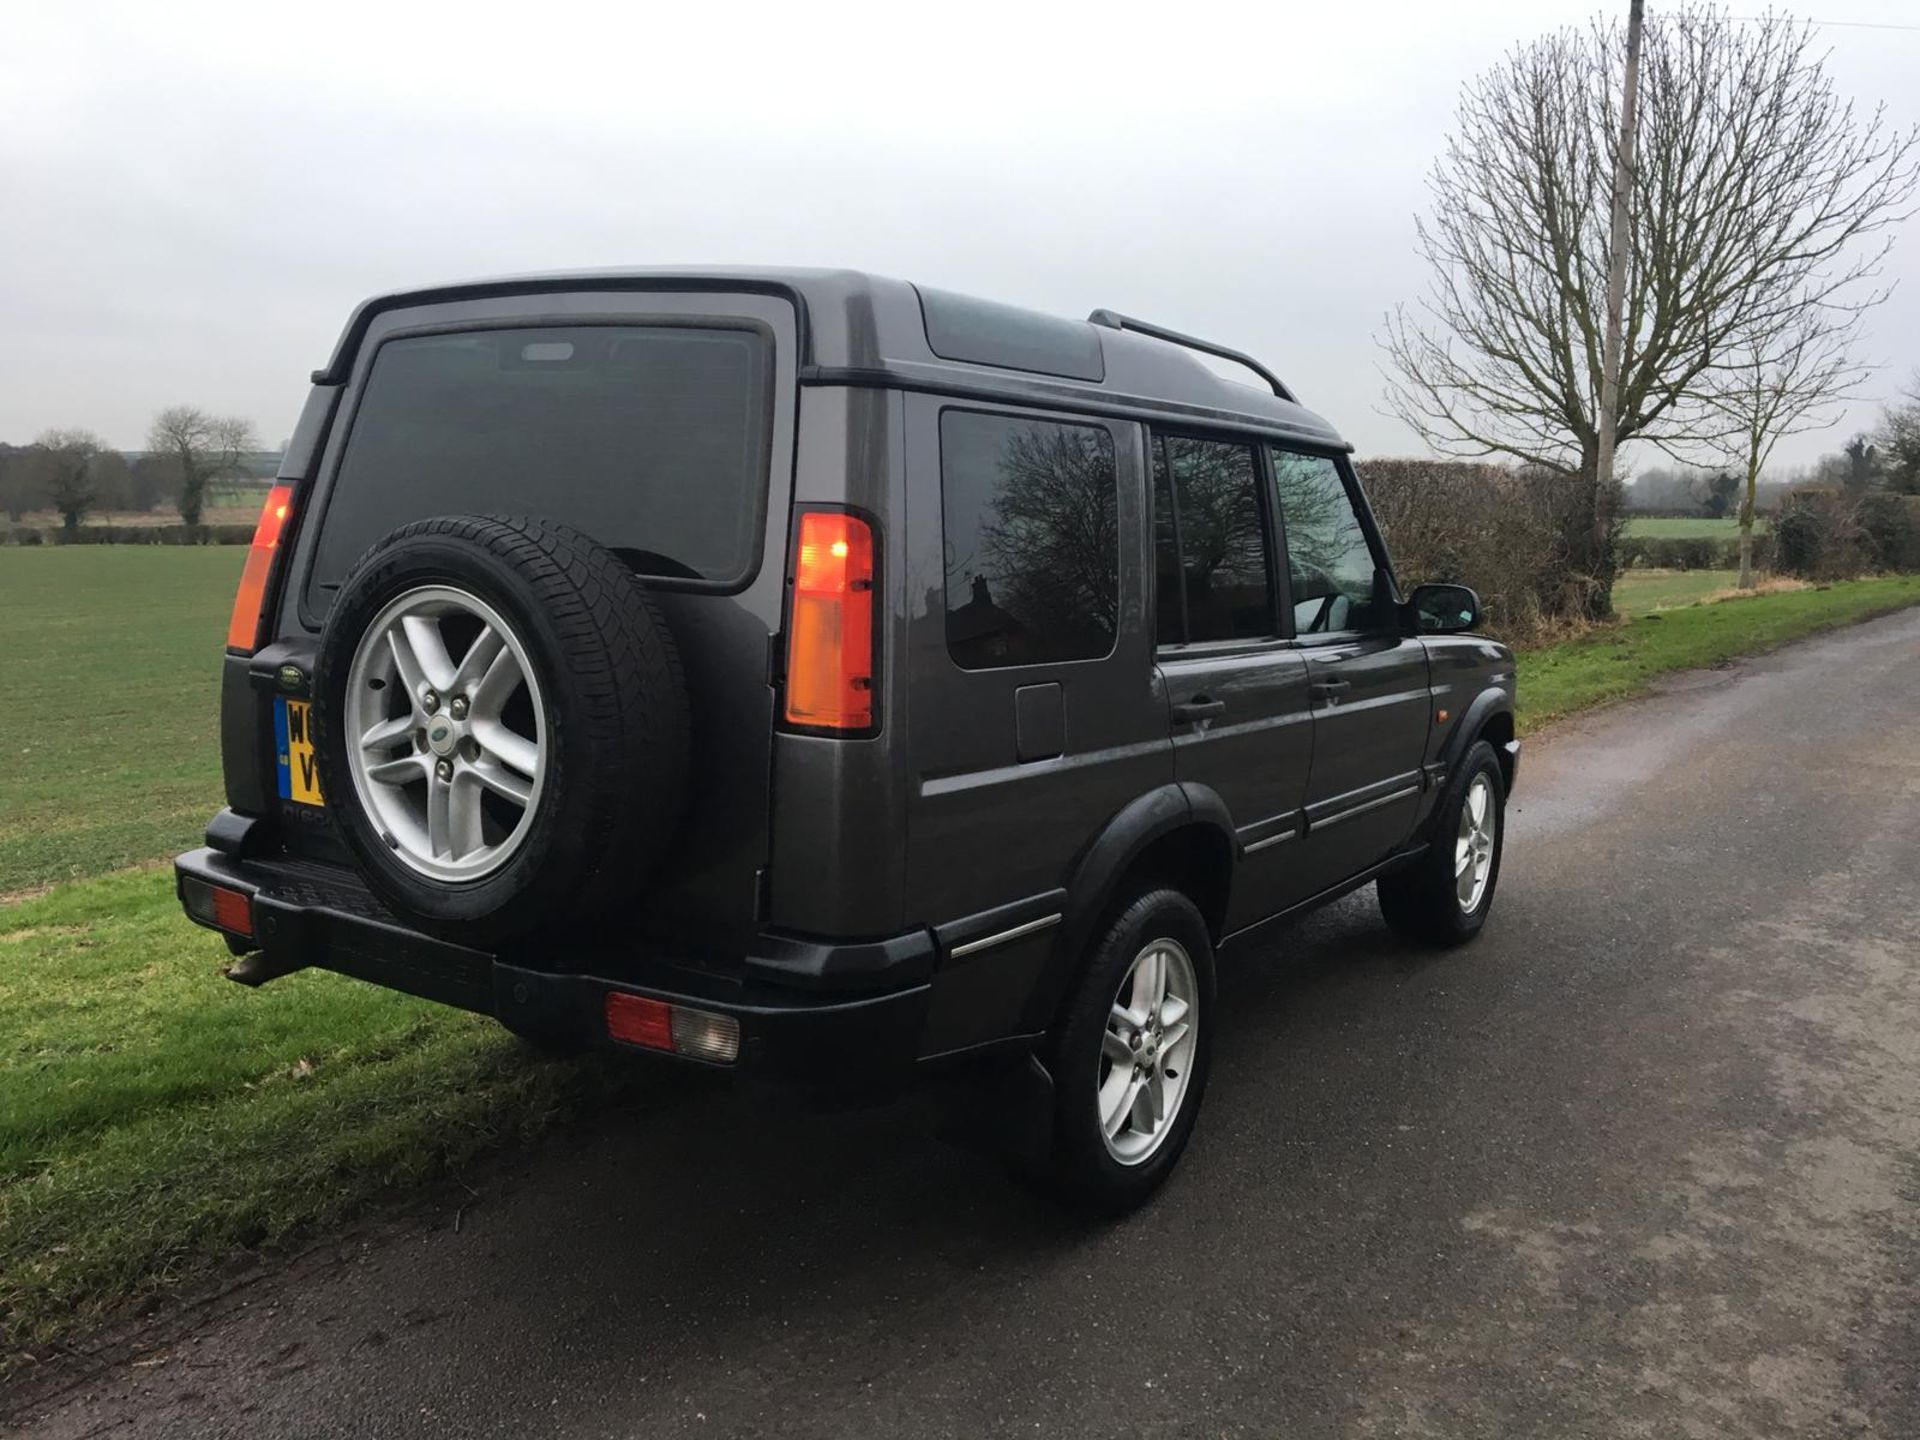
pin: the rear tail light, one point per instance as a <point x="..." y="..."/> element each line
<point x="656" y="1025"/>
<point x="217" y="907"/>
<point x="830" y="662"/>
<point x="243" y="629"/>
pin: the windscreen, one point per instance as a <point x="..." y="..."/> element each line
<point x="651" y="439"/>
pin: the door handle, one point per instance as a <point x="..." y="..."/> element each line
<point x="1200" y="707"/>
<point x="1328" y="689"/>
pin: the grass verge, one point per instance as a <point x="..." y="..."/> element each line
<point x="1623" y="660"/>
<point x="154" y="1118"/>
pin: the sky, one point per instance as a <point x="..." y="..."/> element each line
<point x="193" y="195"/>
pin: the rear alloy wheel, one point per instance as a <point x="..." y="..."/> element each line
<point x="1129" y="1057"/>
<point x="1145" y="1055"/>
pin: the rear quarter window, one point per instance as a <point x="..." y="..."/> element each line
<point x="651" y="439"/>
<point x="1031" y="510"/>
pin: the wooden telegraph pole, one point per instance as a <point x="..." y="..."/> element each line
<point x="1617" y="280"/>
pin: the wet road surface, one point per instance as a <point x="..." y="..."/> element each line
<point x="1640" y="1162"/>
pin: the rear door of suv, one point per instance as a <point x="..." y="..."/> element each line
<point x="1242" y="721"/>
<point x="658" y="420"/>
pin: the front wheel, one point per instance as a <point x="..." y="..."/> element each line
<point x="1442" y="899"/>
<point x="1129" y="1060"/>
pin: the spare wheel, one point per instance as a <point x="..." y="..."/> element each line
<point x="501" y="725"/>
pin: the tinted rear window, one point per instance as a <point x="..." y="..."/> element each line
<point x="651" y="439"/>
<point x="1032" y="510"/>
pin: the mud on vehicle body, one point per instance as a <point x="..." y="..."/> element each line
<point x="810" y="674"/>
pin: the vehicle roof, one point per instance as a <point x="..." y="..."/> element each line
<point x="857" y="328"/>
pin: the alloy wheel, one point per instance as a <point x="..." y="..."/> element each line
<point x="1473" y="849"/>
<point x="1146" y="1051"/>
<point x="448" y="755"/>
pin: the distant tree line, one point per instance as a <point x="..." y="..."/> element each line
<point x="75" y="473"/>
<point x="1885" y="457"/>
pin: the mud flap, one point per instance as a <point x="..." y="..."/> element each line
<point x="1003" y="1108"/>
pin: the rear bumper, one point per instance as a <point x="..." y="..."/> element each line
<point x="807" y="1011"/>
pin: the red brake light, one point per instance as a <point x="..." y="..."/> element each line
<point x="830" y="626"/>
<point x="243" y="629"/>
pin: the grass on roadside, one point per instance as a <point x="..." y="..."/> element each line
<point x="1638" y="592"/>
<point x="109" y="710"/>
<point x="1641" y="592"/>
<point x="1623" y="660"/>
<point x="155" y="1118"/>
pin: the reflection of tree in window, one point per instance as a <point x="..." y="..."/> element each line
<point x="1055" y="536"/>
<point x="1320" y="524"/>
<point x="1329" y="563"/>
<point x="1032" y="539"/>
<point x="1222" y="540"/>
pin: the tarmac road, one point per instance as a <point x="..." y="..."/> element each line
<point x="1640" y="1162"/>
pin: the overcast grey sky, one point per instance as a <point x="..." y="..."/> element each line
<point x="193" y="195"/>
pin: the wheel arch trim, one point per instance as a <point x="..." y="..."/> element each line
<point x="1103" y="865"/>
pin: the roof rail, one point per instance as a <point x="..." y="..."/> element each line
<point x="1113" y="320"/>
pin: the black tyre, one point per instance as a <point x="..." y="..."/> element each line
<point x="1443" y="898"/>
<point x="1129" y="1058"/>
<point x="549" y="775"/>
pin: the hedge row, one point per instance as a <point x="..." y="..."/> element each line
<point x="1832" y="534"/>
<point x="1689" y="552"/>
<point x="130" y="535"/>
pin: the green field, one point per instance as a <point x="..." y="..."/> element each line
<point x="109" y="723"/>
<point x="154" y="1118"/>
<point x="1639" y="592"/>
<point x="1688" y="527"/>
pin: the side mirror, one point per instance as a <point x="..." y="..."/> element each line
<point x="1442" y="609"/>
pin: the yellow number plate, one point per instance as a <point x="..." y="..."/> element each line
<point x="293" y="743"/>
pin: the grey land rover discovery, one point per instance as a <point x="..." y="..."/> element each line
<point x="825" y="677"/>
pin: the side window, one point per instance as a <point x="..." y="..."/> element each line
<point x="1032" y="539"/>
<point x="1212" y="581"/>
<point x="1330" y="567"/>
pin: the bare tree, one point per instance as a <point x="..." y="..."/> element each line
<point x="1784" y="383"/>
<point x="1758" y="193"/>
<point x="201" y="448"/>
<point x="68" y="480"/>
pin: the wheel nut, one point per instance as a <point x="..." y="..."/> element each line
<point x="430" y="702"/>
<point x="444" y="769"/>
<point x="458" y="709"/>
